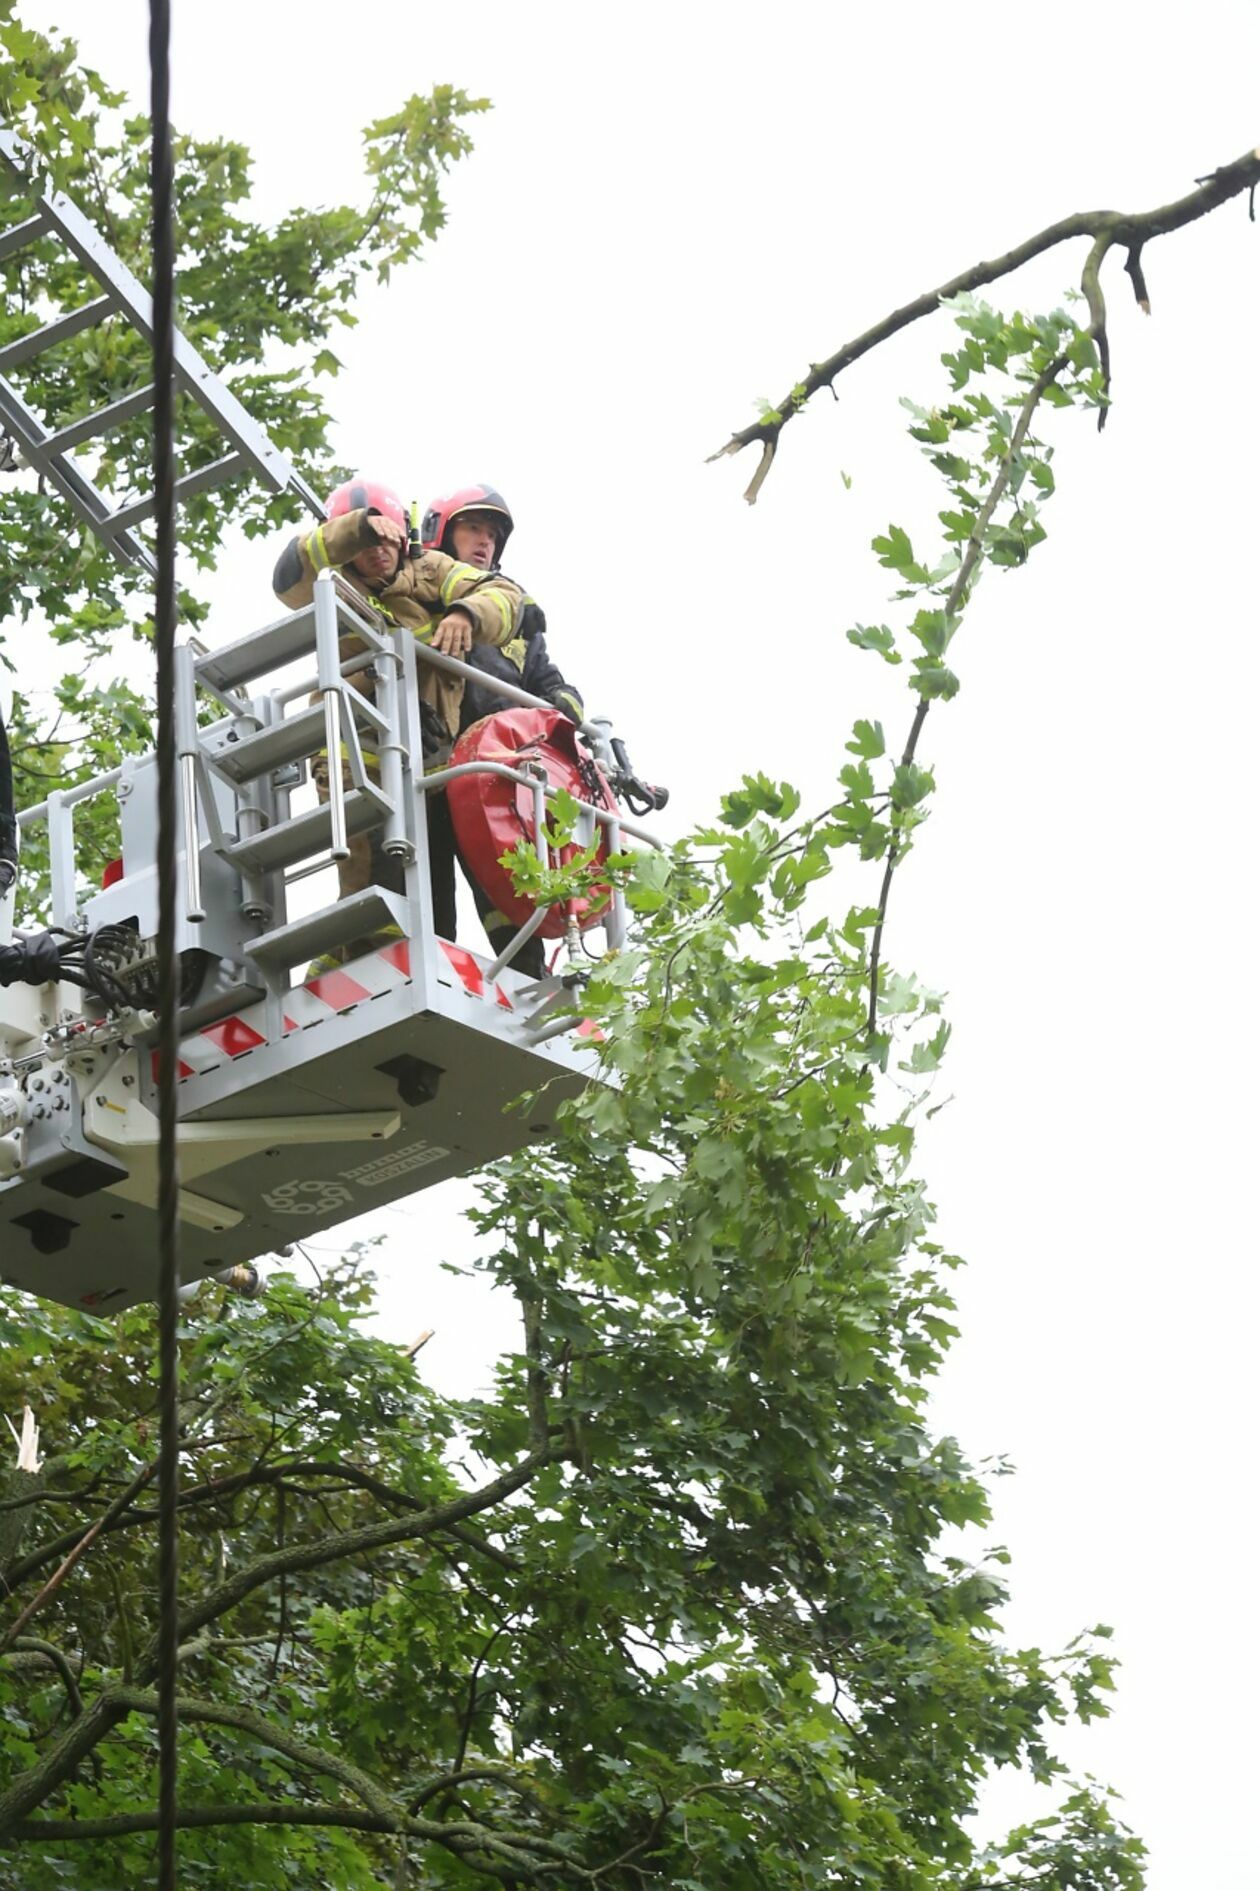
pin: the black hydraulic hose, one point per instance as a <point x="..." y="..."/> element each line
<point x="168" y="995"/>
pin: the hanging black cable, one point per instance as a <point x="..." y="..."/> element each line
<point x="168" y="995"/>
<point x="8" y="820"/>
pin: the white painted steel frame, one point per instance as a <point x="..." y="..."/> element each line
<point x="47" y="448"/>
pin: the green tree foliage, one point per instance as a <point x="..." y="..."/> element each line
<point x="684" y="1601"/>
<point x="261" y="303"/>
<point x="694" y="1596"/>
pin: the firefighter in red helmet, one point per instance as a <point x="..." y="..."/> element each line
<point x="482" y="515"/>
<point x="473" y="525"/>
<point x="450" y="605"/>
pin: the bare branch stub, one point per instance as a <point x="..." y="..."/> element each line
<point x="1133" y="269"/>
<point x="1131" y="230"/>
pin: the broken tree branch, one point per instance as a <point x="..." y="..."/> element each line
<point x="1130" y="230"/>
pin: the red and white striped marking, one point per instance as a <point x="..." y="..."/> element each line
<point x="329" y="992"/>
<point x="468" y="969"/>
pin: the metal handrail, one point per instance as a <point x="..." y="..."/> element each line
<point x="85" y="790"/>
<point x="70" y="797"/>
<point x="326" y="652"/>
<point x="610" y="817"/>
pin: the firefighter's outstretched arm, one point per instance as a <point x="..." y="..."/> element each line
<point x="332" y="544"/>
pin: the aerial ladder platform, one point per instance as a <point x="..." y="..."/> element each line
<point x="304" y="1099"/>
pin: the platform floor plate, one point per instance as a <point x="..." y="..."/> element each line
<point x="109" y="1259"/>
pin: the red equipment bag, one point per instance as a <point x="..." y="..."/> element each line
<point x="490" y="815"/>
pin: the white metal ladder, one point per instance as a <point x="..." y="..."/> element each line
<point x="49" y="444"/>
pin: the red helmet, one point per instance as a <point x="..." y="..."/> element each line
<point x="442" y="514"/>
<point x="359" y="492"/>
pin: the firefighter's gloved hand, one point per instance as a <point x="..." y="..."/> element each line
<point x="34" y="961"/>
<point x="8" y="874"/>
<point x="434" y="734"/>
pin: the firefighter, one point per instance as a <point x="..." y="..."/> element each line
<point x="473" y="525"/>
<point x="450" y="605"/>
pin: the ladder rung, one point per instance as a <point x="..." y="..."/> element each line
<point x="101" y="421"/>
<point x="47" y="337"/>
<point x="370" y="910"/>
<point x="305" y="834"/>
<point x="30" y="434"/>
<point x="201" y="481"/>
<point x="292" y="740"/>
<point x="283" y="642"/>
<point x="18" y="235"/>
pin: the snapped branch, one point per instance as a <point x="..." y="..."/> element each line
<point x="1130" y="230"/>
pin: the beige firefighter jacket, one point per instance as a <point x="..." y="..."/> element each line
<point x="418" y="596"/>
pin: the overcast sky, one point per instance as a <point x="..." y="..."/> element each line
<point x="671" y="210"/>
